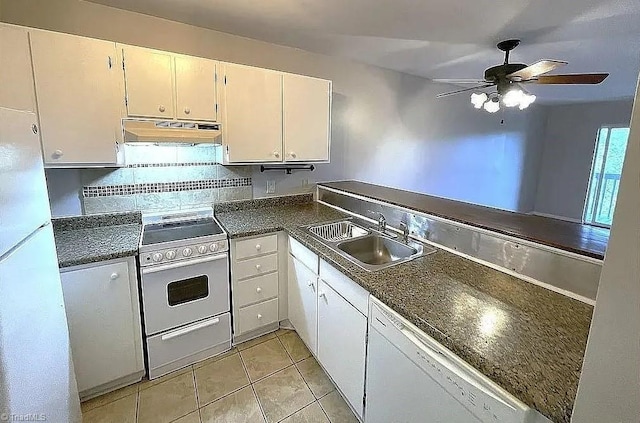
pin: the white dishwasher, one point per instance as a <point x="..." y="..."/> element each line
<point x="413" y="379"/>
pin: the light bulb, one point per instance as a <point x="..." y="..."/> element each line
<point x="513" y="97"/>
<point x="478" y="99"/>
<point x="492" y="105"/>
<point x="526" y="101"/>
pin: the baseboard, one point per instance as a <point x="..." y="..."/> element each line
<point x="553" y="216"/>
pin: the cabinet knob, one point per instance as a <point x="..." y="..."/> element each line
<point x="321" y="294"/>
<point x="258" y="290"/>
<point x="187" y="110"/>
<point x="258" y="247"/>
<point x="34" y="128"/>
<point x="161" y="108"/>
<point x="310" y="283"/>
<point x="114" y="276"/>
<point x="258" y="267"/>
<point x="292" y="154"/>
<point x="57" y="153"/>
<point x="259" y="316"/>
<point x="276" y="154"/>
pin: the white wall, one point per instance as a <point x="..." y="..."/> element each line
<point x="569" y="143"/>
<point x="609" y="389"/>
<point x="387" y="127"/>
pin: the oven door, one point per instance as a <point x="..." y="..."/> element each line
<point x="183" y="292"/>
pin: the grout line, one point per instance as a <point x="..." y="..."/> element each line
<point x="137" y="404"/>
<point x="232" y="392"/>
<point x="195" y="387"/>
<point x="255" y="395"/>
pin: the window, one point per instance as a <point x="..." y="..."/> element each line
<point x="606" y="169"/>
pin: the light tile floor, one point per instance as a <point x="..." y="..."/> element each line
<point x="270" y="379"/>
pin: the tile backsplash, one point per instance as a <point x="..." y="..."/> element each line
<point x="163" y="177"/>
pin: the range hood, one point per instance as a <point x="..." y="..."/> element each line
<point x="171" y="131"/>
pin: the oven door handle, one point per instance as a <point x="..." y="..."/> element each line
<point x="178" y="264"/>
<point x="189" y="329"/>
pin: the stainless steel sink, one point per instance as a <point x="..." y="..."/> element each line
<point x="367" y="247"/>
<point x="377" y="250"/>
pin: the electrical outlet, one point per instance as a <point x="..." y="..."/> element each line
<point x="271" y="187"/>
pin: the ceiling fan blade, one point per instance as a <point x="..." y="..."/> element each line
<point x="579" y="78"/>
<point x="479" y="87"/>
<point x="459" y="81"/>
<point x="538" y="68"/>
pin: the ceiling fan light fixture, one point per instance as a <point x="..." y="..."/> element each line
<point x="478" y="99"/>
<point x="492" y="105"/>
<point x="527" y="100"/>
<point x="513" y="98"/>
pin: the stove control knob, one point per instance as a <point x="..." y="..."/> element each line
<point x="202" y="249"/>
<point x="157" y="257"/>
<point x="213" y="247"/>
<point x="187" y="252"/>
<point x="170" y="255"/>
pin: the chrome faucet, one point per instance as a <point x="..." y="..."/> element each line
<point x="382" y="223"/>
<point x="405" y="232"/>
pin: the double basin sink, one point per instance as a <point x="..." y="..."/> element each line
<point x="367" y="247"/>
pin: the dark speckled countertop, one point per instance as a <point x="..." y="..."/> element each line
<point x="527" y="339"/>
<point x="95" y="238"/>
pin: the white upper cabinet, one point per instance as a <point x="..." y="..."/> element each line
<point x="195" y="88"/>
<point x="306" y="118"/>
<point x="252" y="114"/>
<point x="149" y="79"/>
<point x="16" y="77"/>
<point x="170" y="86"/>
<point x="80" y="95"/>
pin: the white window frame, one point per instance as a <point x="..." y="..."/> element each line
<point x="591" y="172"/>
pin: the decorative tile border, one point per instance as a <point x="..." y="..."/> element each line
<point x="159" y="187"/>
<point x="137" y="165"/>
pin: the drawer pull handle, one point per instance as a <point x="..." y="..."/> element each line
<point x="310" y="283"/>
<point x="258" y="267"/>
<point x="258" y="247"/>
<point x="259" y="316"/>
<point x="321" y="294"/>
<point x="114" y="276"/>
<point x="258" y="290"/>
<point x="190" y="329"/>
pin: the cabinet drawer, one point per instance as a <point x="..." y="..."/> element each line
<point x="174" y="345"/>
<point x="256" y="246"/>
<point x="351" y="291"/>
<point x="256" y="289"/>
<point x="305" y="255"/>
<point x="256" y="267"/>
<point x="255" y="316"/>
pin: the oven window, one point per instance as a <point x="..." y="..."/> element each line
<point x="188" y="290"/>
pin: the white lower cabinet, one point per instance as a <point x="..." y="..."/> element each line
<point x="303" y="305"/>
<point x="103" y="313"/>
<point x="327" y="309"/>
<point x="342" y="344"/>
<point x="255" y="286"/>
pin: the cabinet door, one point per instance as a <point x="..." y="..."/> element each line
<point x="148" y="78"/>
<point x="252" y="114"/>
<point x="342" y="332"/>
<point x="195" y="88"/>
<point x="307" y="112"/>
<point x="79" y="92"/>
<point x="303" y="305"/>
<point x="100" y="312"/>
<point x="16" y="88"/>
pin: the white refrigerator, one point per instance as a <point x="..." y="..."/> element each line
<point x="37" y="381"/>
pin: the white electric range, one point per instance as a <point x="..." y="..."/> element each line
<point x="184" y="260"/>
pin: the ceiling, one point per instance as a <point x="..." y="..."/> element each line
<point x="437" y="38"/>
